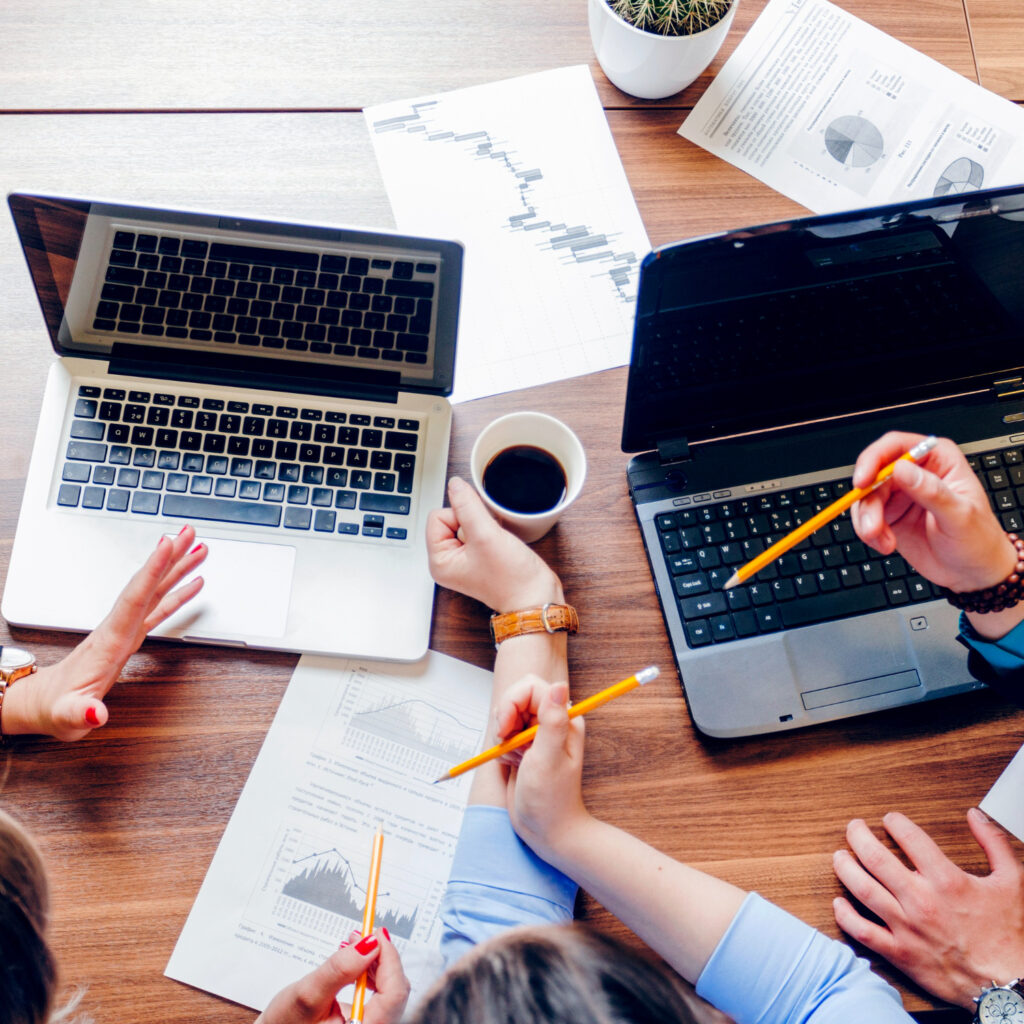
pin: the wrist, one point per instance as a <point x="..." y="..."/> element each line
<point x="18" y="715"/>
<point x="542" y="587"/>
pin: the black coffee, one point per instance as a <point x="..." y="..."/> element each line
<point x="525" y="479"/>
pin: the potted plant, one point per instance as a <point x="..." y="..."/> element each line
<point x="654" y="48"/>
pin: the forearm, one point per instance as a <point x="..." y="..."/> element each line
<point x="680" y="912"/>
<point x="541" y="654"/>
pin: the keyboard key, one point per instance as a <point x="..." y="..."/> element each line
<point x="298" y="518"/>
<point x="219" y="510"/>
<point x="702" y="606"/>
<point x="75" y="473"/>
<point x="146" y="503"/>
<point x="93" y="497"/>
<point x="396" y="504"/>
<point x="84" y="451"/>
<point x="698" y="633"/>
<point x="68" y="495"/>
<point x="833" y="605"/>
<point x="117" y="501"/>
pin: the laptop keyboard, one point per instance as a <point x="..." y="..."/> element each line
<point x="830" y="575"/>
<point x="299" y="301"/>
<point x="149" y="453"/>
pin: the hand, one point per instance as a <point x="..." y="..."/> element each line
<point x="471" y="554"/>
<point x="545" y="799"/>
<point x="66" y="700"/>
<point x="935" y="514"/>
<point x="952" y="932"/>
<point x="313" y="998"/>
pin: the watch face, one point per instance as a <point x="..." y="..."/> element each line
<point x="1001" y="1006"/>
<point x="12" y="658"/>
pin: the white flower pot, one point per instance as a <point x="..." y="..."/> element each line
<point x="648" y="65"/>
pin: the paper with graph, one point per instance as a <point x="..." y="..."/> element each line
<point x="526" y="175"/>
<point x="352" y="745"/>
<point x="835" y="114"/>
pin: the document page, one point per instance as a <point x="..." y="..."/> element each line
<point x="352" y="745"/>
<point x="1003" y="801"/>
<point x="526" y="175"/>
<point x="837" y="115"/>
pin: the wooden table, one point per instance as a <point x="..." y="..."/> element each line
<point x="263" y="117"/>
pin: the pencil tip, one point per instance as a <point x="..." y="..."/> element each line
<point x="732" y="581"/>
<point x="440" y="778"/>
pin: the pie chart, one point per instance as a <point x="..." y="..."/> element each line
<point x="854" y="141"/>
<point x="963" y="175"/>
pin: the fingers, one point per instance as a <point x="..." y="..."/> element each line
<point x="882" y="865"/>
<point x="391" y="985"/>
<point x="994" y="842"/>
<point x="549" y="745"/>
<point x="861" y="930"/>
<point x="175" y="600"/>
<point x="469" y="509"/>
<point x="314" y="994"/>
<point x="442" y="526"/>
<point x="919" y="847"/>
<point x="880" y="453"/>
<point x="519" y="704"/>
<point x="864" y="887"/>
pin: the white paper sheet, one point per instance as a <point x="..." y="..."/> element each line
<point x="352" y="745"/>
<point x="526" y="175"/>
<point x="835" y="114"/>
<point x="1005" y="800"/>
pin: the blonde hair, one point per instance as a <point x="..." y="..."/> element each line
<point x="560" y="975"/>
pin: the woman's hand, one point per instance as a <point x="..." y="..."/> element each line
<point x="935" y="514"/>
<point x="545" y="800"/>
<point x="471" y="554"/>
<point x="313" y="999"/>
<point x="66" y="700"/>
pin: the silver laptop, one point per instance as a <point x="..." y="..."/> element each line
<point x="764" y="360"/>
<point x="279" y="386"/>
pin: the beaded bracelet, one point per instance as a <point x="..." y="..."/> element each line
<point x="1002" y="595"/>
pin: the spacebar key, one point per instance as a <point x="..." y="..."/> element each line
<point x="188" y="507"/>
<point x="833" y="606"/>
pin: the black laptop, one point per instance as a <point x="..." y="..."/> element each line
<point x="763" y="361"/>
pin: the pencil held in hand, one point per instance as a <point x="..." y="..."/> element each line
<point x="825" y="516"/>
<point x="369" y="912"/>
<point x="641" y="678"/>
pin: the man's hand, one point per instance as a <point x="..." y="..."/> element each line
<point x="313" y="999"/>
<point x="952" y="932"/>
<point x="66" y="700"/>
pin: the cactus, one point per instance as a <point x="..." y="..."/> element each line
<point x="671" y="17"/>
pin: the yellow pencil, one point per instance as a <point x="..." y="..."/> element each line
<point x="369" y="912"/>
<point x="642" y="677"/>
<point x="826" y="515"/>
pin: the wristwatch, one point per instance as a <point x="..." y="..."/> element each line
<point x="15" y="664"/>
<point x="1000" y="1004"/>
<point x="551" y="618"/>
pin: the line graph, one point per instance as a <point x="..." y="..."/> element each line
<point x="420" y="726"/>
<point x="576" y="243"/>
<point x="326" y="879"/>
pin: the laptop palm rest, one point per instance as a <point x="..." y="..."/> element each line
<point x="246" y="591"/>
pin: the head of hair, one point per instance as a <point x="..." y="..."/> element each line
<point x="28" y="971"/>
<point x="560" y="975"/>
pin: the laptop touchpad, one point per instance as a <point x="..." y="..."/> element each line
<point x="247" y="592"/>
<point x="872" y="647"/>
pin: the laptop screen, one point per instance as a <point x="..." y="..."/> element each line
<point x="372" y="309"/>
<point x="824" y="316"/>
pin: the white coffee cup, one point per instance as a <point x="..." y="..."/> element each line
<point x="530" y="430"/>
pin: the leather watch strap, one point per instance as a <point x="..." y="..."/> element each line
<point x="550" y="618"/>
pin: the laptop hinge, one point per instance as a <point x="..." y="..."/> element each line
<point x="676" y="449"/>
<point x="1008" y="388"/>
<point x="129" y="360"/>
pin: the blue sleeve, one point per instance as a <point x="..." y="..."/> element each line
<point x="497" y="882"/>
<point x="1004" y="655"/>
<point x="771" y="968"/>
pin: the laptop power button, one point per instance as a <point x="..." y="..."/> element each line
<point x="919" y="622"/>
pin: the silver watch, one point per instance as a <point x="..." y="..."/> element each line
<point x="1000" y="1004"/>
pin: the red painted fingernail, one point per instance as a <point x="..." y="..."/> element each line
<point x="91" y="717"/>
<point x="182" y="530"/>
<point x="342" y="945"/>
<point x="387" y="934"/>
<point x="367" y="945"/>
<point x="195" y="549"/>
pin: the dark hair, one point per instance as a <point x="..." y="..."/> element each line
<point x="560" y="975"/>
<point x="28" y="971"/>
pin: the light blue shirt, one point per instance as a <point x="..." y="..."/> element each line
<point x="769" y="968"/>
<point x="1004" y="655"/>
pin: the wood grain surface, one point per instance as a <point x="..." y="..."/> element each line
<point x="129" y="819"/>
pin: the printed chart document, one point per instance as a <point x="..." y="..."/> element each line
<point x="352" y="745"/>
<point x="526" y="175"/>
<point x="1003" y="802"/>
<point x="835" y="114"/>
